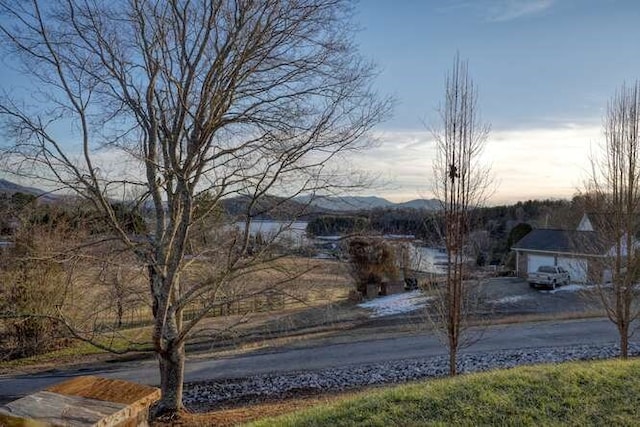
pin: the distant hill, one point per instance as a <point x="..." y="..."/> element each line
<point x="277" y="206"/>
<point x="426" y="204"/>
<point x="359" y="203"/>
<point x="8" y="187"/>
<point x="346" y="203"/>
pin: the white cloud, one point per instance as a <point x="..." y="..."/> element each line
<point x="110" y="165"/>
<point x="507" y="10"/>
<point x="501" y="10"/>
<point x="526" y="164"/>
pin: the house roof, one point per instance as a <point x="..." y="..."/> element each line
<point x="595" y="221"/>
<point x="562" y="241"/>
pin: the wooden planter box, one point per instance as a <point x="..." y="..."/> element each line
<point x="391" y="288"/>
<point x="83" y="401"/>
<point x="373" y="290"/>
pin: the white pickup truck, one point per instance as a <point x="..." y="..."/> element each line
<point x="548" y="276"/>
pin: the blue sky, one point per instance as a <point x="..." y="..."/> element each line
<point x="545" y="71"/>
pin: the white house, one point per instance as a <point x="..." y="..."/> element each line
<point x="580" y="251"/>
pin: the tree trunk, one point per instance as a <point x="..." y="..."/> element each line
<point x="120" y="296"/>
<point x="453" y="358"/>
<point x="624" y="340"/>
<point x="171" y="380"/>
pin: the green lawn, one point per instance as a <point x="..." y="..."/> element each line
<point x="79" y="349"/>
<point x="587" y="393"/>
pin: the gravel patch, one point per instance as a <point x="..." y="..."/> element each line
<point x="207" y="395"/>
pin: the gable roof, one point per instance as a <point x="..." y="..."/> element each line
<point x="596" y="221"/>
<point x="585" y="223"/>
<point x="561" y="241"/>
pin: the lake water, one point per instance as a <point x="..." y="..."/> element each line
<point x="425" y="259"/>
<point x="295" y="232"/>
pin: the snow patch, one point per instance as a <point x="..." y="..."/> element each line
<point x="573" y="287"/>
<point x="396" y="304"/>
<point x="510" y="300"/>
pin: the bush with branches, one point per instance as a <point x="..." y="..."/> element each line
<point x="32" y="283"/>
<point x="372" y="261"/>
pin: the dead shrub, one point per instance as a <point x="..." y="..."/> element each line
<point x="33" y="282"/>
<point x="372" y="261"/>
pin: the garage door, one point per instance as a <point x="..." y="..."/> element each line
<point x="577" y="268"/>
<point x="535" y="261"/>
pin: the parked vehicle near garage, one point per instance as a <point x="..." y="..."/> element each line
<point x="549" y="276"/>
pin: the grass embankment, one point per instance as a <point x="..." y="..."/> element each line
<point x="80" y="352"/>
<point x="585" y="393"/>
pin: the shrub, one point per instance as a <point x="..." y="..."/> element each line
<point x="32" y="289"/>
<point x="31" y="294"/>
<point x="372" y="261"/>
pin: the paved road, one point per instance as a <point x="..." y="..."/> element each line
<point x="541" y="334"/>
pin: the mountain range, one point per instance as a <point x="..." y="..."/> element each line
<point x="321" y="203"/>
<point x="8" y="187"/>
<point x="358" y="203"/>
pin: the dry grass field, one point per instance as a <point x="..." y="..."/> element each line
<point x="287" y="293"/>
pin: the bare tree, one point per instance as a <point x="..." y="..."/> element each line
<point x="460" y="183"/>
<point x="614" y="192"/>
<point x="233" y="97"/>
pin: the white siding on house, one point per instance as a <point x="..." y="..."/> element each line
<point x="535" y="261"/>
<point x="576" y="267"/>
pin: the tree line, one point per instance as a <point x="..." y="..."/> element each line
<point x="495" y="222"/>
